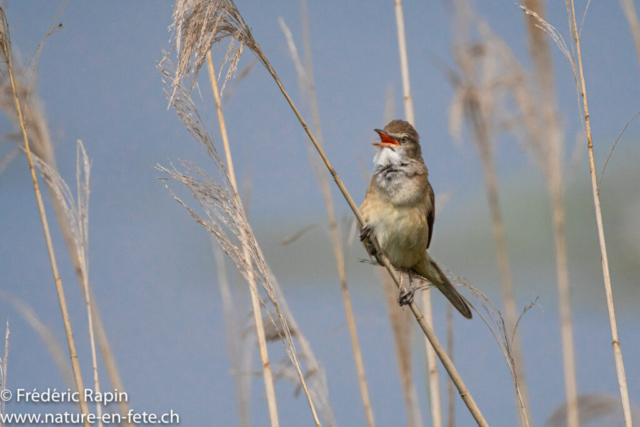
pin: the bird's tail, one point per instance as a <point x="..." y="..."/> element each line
<point x="428" y="269"/>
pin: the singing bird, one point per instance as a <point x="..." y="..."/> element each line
<point x="399" y="210"/>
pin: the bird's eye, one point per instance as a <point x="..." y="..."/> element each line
<point x="404" y="139"/>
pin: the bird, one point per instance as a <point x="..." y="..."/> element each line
<point x="399" y="210"/>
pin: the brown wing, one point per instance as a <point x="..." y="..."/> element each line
<point x="431" y="212"/>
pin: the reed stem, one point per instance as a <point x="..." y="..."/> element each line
<point x="617" y="350"/>
<point x="404" y="63"/>
<point x="45" y="227"/>
<point x="255" y="298"/>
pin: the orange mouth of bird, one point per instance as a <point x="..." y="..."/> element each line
<point x="385" y="140"/>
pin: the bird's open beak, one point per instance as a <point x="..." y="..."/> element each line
<point x="386" y="140"/>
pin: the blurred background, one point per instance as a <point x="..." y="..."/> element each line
<point x="152" y="267"/>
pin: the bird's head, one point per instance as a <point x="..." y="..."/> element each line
<point x="400" y="137"/>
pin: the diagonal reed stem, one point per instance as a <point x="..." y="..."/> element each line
<point x="617" y="350"/>
<point x="45" y="228"/>
<point x="255" y="299"/>
<point x="426" y="328"/>
<point x="305" y="76"/>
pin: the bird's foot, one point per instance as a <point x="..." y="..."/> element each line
<point x="406" y="296"/>
<point x="365" y="233"/>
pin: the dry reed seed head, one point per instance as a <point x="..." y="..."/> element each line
<point x="5" y="39"/>
<point x="553" y="33"/>
<point x="32" y="111"/>
<point x="239" y="77"/>
<point x="75" y="209"/>
<point x="197" y="26"/>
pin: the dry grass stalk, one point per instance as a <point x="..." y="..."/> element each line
<point x="547" y="137"/>
<point x="632" y="17"/>
<point x="231" y="24"/>
<point x="40" y="144"/>
<point x="255" y="298"/>
<point x="6" y="51"/>
<point x="77" y="218"/>
<point x="224" y="212"/>
<point x="432" y="365"/>
<point x="617" y="350"/>
<point x="315" y="373"/>
<point x="486" y="77"/>
<point x="307" y="85"/>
